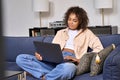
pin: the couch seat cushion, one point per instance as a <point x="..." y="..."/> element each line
<point x="88" y="77"/>
<point x="12" y="66"/>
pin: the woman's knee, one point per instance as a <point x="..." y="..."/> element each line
<point x="69" y="70"/>
<point x="20" y="58"/>
<point x="70" y="66"/>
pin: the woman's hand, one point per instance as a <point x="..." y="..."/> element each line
<point x="38" y="56"/>
<point x="72" y="59"/>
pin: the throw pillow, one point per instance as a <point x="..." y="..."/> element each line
<point x="84" y="65"/>
<point x="96" y="67"/>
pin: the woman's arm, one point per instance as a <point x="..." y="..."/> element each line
<point x="94" y="42"/>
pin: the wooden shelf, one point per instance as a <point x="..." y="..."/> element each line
<point x="98" y="30"/>
<point x="43" y="31"/>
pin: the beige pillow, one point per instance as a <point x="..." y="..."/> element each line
<point x="96" y="67"/>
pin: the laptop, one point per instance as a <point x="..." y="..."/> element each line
<point x="50" y="52"/>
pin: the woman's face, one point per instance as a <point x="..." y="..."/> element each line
<point x="73" y="21"/>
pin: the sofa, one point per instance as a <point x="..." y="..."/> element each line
<point x="14" y="46"/>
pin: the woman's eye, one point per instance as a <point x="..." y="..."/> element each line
<point x="75" y="20"/>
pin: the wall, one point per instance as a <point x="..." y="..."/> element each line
<point x="19" y="16"/>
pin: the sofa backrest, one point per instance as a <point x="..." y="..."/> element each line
<point x="48" y="39"/>
<point x="14" y="46"/>
<point x="107" y="40"/>
<point x="21" y="45"/>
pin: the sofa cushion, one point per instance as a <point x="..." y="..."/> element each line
<point x="111" y="69"/>
<point x="85" y="62"/>
<point x="107" y="40"/>
<point x="88" y="77"/>
<point x="48" y="39"/>
<point x="96" y="68"/>
<point x="18" y="45"/>
<point x="12" y="66"/>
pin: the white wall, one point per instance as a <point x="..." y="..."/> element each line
<point x="19" y="17"/>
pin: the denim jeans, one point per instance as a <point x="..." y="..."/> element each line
<point x="62" y="71"/>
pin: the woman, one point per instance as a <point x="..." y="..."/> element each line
<point x="74" y="42"/>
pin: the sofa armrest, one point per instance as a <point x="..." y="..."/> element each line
<point x="111" y="69"/>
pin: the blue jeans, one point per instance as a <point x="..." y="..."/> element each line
<point x="63" y="71"/>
